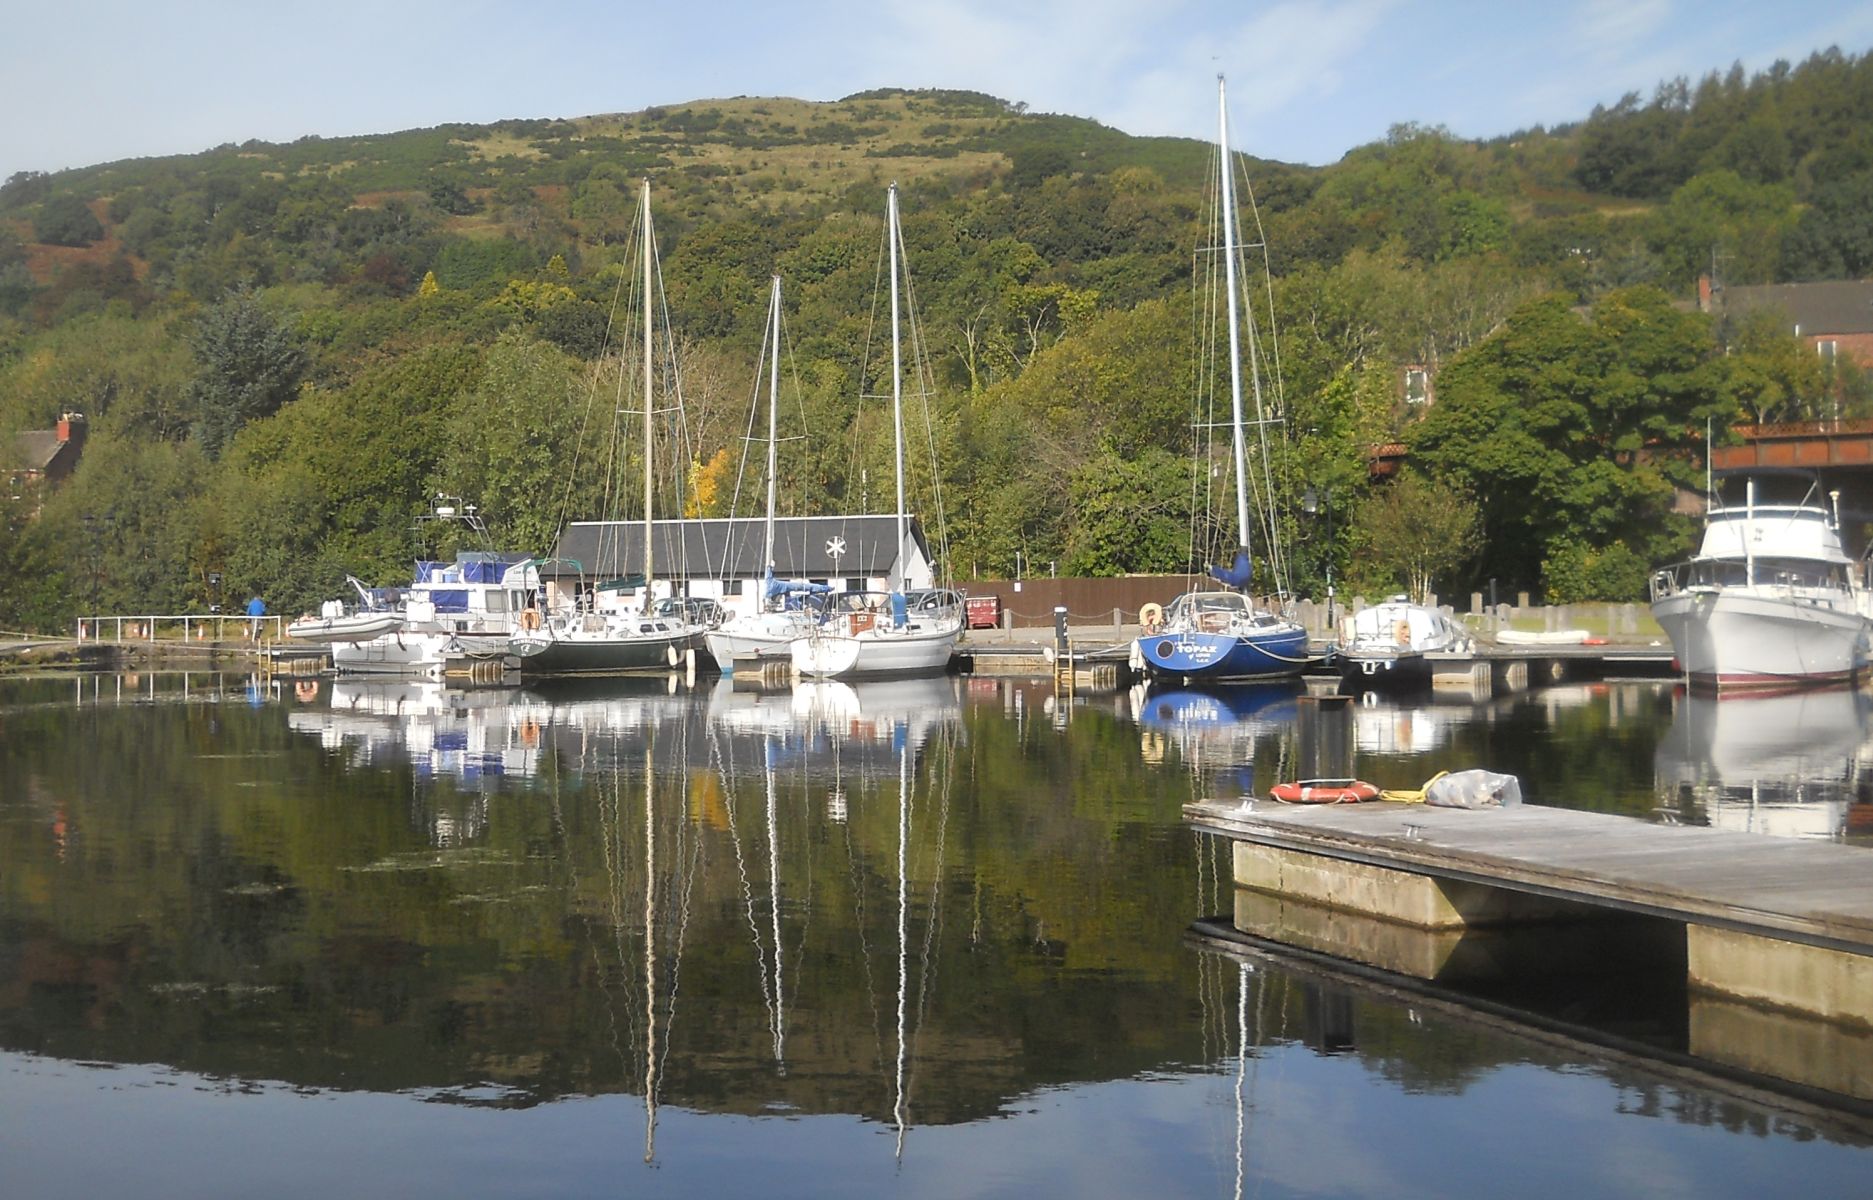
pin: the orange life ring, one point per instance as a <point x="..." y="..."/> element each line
<point x="1324" y="791"/>
<point x="529" y="618"/>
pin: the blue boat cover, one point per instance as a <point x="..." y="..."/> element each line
<point x="781" y="587"/>
<point x="449" y="600"/>
<point x="1238" y="573"/>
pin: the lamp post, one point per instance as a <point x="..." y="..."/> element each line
<point x="1314" y="503"/>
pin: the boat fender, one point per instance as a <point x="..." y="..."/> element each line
<point x="670" y="654"/>
<point x="1151" y="616"/>
<point x="1324" y="791"/>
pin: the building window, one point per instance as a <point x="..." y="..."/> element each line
<point x="1826" y="348"/>
<point x="1417" y="385"/>
<point x="731" y="587"/>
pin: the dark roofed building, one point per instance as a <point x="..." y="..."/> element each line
<point x="45" y="457"/>
<point x="1835" y="317"/>
<point x="720" y="558"/>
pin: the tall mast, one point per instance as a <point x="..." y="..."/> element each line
<point x="1235" y="334"/>
<point x="897" y="386"/>
<point x="773" y="428"/>
<point x="649" y="401"/>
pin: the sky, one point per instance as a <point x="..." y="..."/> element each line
<point x="90" y="81"/>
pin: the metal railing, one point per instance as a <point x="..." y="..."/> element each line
<point x="181" y="627"/>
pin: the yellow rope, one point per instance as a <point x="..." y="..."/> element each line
<point x="1409" y="796"/>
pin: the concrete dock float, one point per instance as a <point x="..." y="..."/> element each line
<point x="1770" y="921"/>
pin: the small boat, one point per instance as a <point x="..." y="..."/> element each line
<point x="589" y="639"/>
<point x="462" y="609"/>
<point x="1218" y="637"/>
<point x="337" y="621"/>
<point x="872" y="634"/>
<point x="788" y="607"/>
<point x="1771" y="601"/>
<point x="1388" y="647"/>
<point x="900" y="632"/>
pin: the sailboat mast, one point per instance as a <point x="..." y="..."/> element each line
<point x="773" y="428"/>
<point x="649" y="375"/>
<point x="1235" y="333"/>
<point x="897" y="385"/>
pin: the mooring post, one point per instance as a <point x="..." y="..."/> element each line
<point x="1325" y="734"/>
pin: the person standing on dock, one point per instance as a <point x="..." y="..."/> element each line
<point x="256" y="609"/>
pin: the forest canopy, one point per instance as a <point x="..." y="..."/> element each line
<point x="284" y="351"/>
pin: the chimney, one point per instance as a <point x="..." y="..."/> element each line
<point x="71" y="427"/>
<point x="1703" y="293"/>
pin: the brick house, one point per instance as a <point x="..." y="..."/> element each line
<point x="1835" y="317"/>
<point x="44" y="458"/>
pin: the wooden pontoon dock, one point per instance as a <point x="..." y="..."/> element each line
<point x="1782" y="923"/>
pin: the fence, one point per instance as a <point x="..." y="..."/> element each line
<point x="186" y="627"/>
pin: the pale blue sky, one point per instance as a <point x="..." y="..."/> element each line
<point x="89" y="81"/>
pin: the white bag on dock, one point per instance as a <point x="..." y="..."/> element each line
<point x="1473" y="789"/>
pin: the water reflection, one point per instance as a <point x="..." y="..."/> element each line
<point x="1790" y="766"/>
<point x="1218" y="733"/>
<point x="871" y="910"/>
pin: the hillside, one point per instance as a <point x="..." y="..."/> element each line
<point x="283" y="349"/>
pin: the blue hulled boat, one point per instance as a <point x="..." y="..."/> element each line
<point x="1209" y="637"/>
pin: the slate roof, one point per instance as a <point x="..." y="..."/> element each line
<point x="723" y="547"/>
<point x="1816" y="309"/>
<point x="35" y="449"/>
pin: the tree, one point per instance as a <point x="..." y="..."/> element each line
<point x="1834" y="238"/>
<point x="66" y="220"/>
<point x="1414" y="531"/>
<point x="1572" y="430"/>
<point x="249" y="363"/>
<point x="1773" y="375"/>
<point x="1029" y="166"/>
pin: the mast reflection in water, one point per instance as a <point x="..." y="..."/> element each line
<point x="842" y="940"/>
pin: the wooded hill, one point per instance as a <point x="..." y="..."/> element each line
<point x="285" y="350"/>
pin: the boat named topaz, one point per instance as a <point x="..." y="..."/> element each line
<point x="1770" y="600"/>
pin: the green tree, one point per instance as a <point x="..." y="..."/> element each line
<point x="1415" y="531"/>
<point x="1773" y="375"/>
<point x="1833" y="239"/>
<point x="66" y="220"/>
<point x="248" y="363"/>
<point x="1572" y="430"/>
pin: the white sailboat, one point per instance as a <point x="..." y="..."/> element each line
<point x="788" y="608"/>
<point x="589" y="642"/>
<point x="898" y="633"/>
<point x="1221" y="636"/>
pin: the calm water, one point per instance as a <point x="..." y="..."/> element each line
<point x="925" y="939"/>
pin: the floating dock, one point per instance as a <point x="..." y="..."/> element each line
<point x="1775" y="922"/>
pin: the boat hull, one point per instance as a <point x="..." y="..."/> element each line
<point x="359" y="627"/>
<point x="874" y="653"/>
<point x="544" y="653"/>
<point x="1758" y="638"/>
<point x="414" y="652"/>
<point x="771" y="635"/>
<point x="1278" y="653"/>
<point x="1361" y="672"/>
